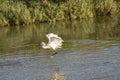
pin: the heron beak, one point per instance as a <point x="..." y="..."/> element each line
<point x="41" y="44"/>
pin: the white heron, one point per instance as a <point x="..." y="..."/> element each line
<point x="54" y="42"/>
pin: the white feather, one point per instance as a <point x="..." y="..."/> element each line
<point x="54" y="42"/>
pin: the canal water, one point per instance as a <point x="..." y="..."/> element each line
<point x="91" y="51"/>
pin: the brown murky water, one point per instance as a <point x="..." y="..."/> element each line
<point x="91" y="51"/>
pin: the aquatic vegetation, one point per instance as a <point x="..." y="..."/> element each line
<point x="20" y="12"/>
<point x="3" y="20"/>
<point x="106" y="7"/>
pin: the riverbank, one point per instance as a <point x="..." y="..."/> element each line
<point x="20" y="12"/>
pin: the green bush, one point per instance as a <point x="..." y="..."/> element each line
<point x="106" y="7"/>
<point x="20" y="12"/>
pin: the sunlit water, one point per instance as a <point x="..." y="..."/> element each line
<point x="91" y="51"/>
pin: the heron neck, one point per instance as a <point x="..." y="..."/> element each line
<point x="46" y="46"/>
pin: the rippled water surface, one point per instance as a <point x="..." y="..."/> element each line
<point x="91" y="51"/>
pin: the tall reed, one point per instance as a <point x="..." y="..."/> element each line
<point x="106" y="7"/>
<point x="20" y="12"/>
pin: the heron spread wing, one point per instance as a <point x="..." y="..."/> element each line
<point x="54" y="40"/>
<point x="53" y="37"/>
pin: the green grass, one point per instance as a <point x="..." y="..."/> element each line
<point x="24" y="12"/>
<point x="106" y="7"/>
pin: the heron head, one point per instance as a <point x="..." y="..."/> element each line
<point x="43" y="44"/>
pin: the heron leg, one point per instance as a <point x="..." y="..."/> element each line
<point x="54" y="53"/>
